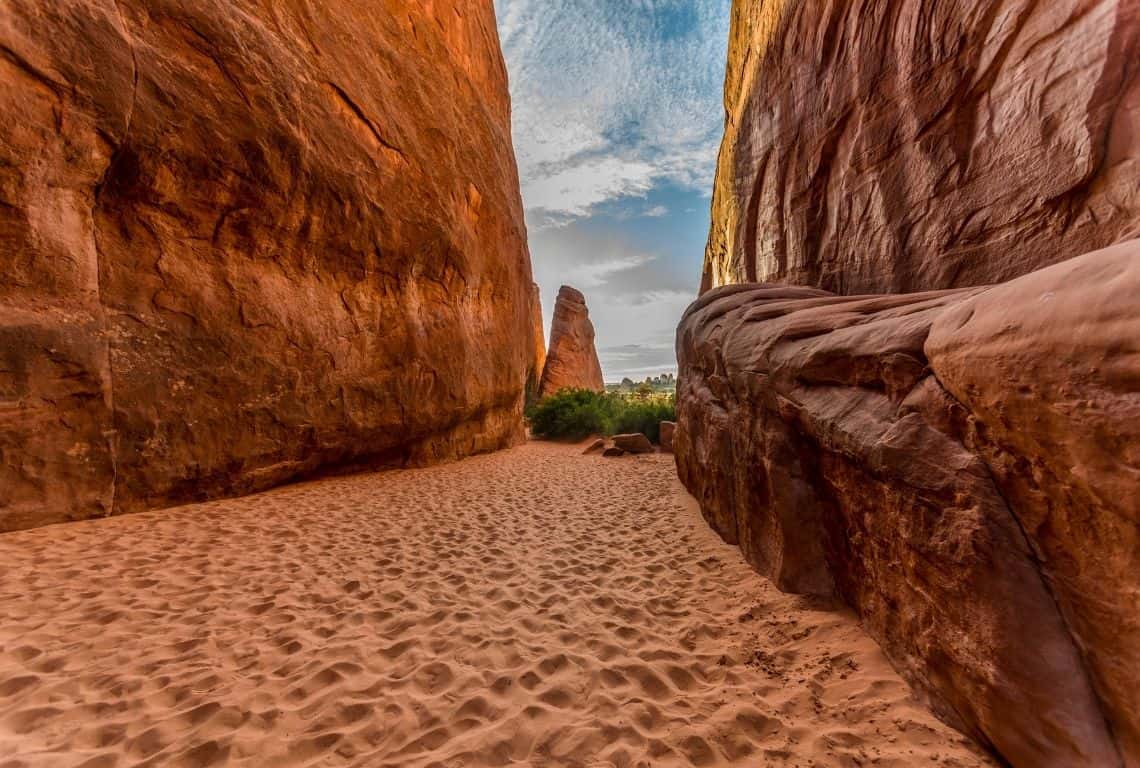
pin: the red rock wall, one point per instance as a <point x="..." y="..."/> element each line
<point x="245" y="241"/>
<point x="962" y="467"/>
<point x="572" y="362"/>
<point x="538" y="365"/>
<point x="902" y="145"/>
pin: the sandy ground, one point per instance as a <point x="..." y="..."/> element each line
<point x="534" y="607"/>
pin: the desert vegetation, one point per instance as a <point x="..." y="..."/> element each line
<point x="577" y="413"/>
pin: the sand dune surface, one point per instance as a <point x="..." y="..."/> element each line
<point x="532" y="607"/>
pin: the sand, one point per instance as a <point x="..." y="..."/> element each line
<point x="532" y="607"/>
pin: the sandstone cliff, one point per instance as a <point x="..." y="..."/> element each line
<point x="960" y="464"/>
<point x="572" y="361"/>
<point x="245" y="241"/>
<point x="900" y="145"/>
<point x="962" y="467"/>
<point x="538" y="364"/>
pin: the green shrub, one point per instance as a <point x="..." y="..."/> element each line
<point x="644" y="417"/>
<point x="578" y="413"/>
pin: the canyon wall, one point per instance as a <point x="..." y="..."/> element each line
<point x="956" y="453"/>
<point x="538" y="364"/>
<point x="901" y="145"/>
<point x="572" y="362"/>
<point x="251" y="240"/>
<point x="962" y="467"/>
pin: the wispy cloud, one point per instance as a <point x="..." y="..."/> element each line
<point x="617" y="113"/>
<point x="611" y="97"/>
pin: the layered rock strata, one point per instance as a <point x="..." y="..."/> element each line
<point x="246" y="241"/>
<point x="902" y="145"/>
<point x="572" y="361"/>
<point x="962" y="467"/>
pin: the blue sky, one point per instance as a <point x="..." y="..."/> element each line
<point x="617" y="117"/>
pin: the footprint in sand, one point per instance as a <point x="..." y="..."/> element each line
<point x="533" y="607"/>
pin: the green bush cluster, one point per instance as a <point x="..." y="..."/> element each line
<point x="579" y="413"/>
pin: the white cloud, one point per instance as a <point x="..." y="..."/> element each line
<point x="574" y="189"/>
<point x="594" y="274"/>
<point x="611" y="98"/>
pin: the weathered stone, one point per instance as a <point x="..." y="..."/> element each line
<point x="961" y="467"/>
<point x="572" y="362"/>
<point x="538" y="364"/>
<point x="247" y="241"/>
<point x="905" y="145"/>
<point x="613" y="452"/>
<point x="596" y="446"/>
<point x="1048" y="367"/>
<point x="666" y="441"/>
<point x="633" y="443"/>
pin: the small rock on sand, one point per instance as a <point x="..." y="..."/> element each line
<point x="633" y="443"/>
<point x="596" y="446"/>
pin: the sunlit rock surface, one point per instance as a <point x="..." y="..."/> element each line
<point x="538" y="364"/>
<point x="903" y="145"/>
<point x="572" y="362"/>
<point x="962" y="467"/>
<point x="246" y="241"/>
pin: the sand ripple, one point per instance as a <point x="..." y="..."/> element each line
<point x="533" y="607"/>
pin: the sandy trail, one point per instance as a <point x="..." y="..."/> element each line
<point x="532" y="607"/>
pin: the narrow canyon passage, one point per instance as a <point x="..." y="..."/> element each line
<point x="531" y="607"/>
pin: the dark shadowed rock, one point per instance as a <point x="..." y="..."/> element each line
<point x="667" y="430"/>
<point x="961" y="467"/>
<point x="613" y="452"/>
<point x="572" y="362"/>
<point x="1048" y="367"/>
<point x="247" y="241"/>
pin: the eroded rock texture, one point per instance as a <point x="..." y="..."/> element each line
<point x="572" y="361"/>
<point x="246" y="240"/>
<point x="903" y="145"/>
<point x="962" y="467"/>
<point x="538" y="363"/>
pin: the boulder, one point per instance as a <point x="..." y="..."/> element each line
<point x="613" y="452"/>
<point x="572" y="361"/>
<point x="244" y="242"/>
<point x="961" y="467"/>
<point x="666" y="441"/>
<point x="911" y="145"/>
<point x="596" y="446"/>
<point x="633" y="443"/>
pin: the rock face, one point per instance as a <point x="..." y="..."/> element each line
<point x="572" y="361"/>
<point x="668" y="429"/>
<point x="962" y="467"/>
<point x="534" y="376"/>
<point x="911" y="145"/>
<point x="246" y="241"/>
<point x="633" y="443"/>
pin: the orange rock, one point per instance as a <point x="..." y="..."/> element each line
<point x="962" y="467"/>
<point x="572" y="362"/>
<point x="247" y="241"/>
<point x="912" y="146"/>
<point x="534" y="376"/>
